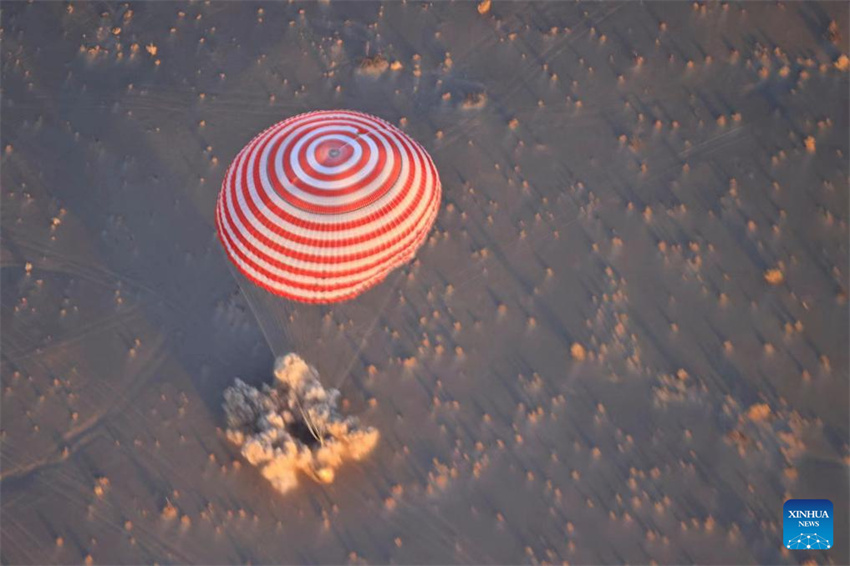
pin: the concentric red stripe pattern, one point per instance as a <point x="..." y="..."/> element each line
<point x="322" y="206"/>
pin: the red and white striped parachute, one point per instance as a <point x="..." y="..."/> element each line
<point x="322" y="206"/>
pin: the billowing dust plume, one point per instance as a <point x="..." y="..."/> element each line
<point x="294" y="425"/>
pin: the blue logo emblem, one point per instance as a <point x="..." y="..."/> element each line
<point x="807" y="524"/>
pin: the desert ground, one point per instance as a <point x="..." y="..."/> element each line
<point x="625" y="340"/>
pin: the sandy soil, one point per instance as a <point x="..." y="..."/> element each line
<point x="626" y="340"/>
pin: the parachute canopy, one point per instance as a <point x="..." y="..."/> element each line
<point x="322" y="206"/>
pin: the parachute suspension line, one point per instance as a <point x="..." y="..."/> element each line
<point x="311" y="426"/>
<point x="274" y="308"/>
<point x="380" y="311"/>
<point x="279" y="311"/>
<point x="250" y="292"/>
<point x="253" y="297"/>
<point x="284" y="323"/>
<point x="243" y="288"/>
